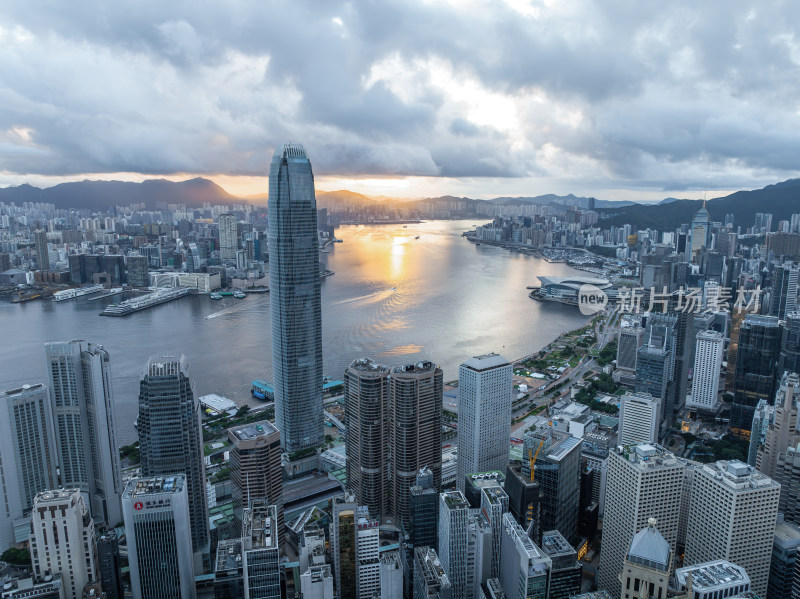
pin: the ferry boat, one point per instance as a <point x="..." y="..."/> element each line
<point x="60" y="296"/>
<point x="143" y="302"/>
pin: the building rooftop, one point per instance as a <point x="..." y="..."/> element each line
<point x="738" y="475"/>
<point x="455" y="500"/>
<point x="649" y="548"/>
<point x="259" y="527"/>
<point x="54" y="496"/>
<point x="711" y="576"/>
<point x="156" y="485"/>
<point x="421" y="367"/>
<point x="432" y="570"/>
<point x="368" y="365"/>
<point x="229" y="555"/>
<point x="249" y="432"/>
<point x="555" y="545"/>
<point x="647" y="455"/>
<point x="485" y="362"/>
<point x="787" y="534"/>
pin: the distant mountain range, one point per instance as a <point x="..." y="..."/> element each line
<point x="780" y="199"/>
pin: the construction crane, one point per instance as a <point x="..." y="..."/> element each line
<point x="532" y="457"/>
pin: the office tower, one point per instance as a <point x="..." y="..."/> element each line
<point x="430" y="579"/>
<point x="787" y="473"/>
<point x="136" y="271"/>
<point x="557" y="469"/>
<point x="28" y="457"/>
<point x="525" y="570"/>
<point x="494" y="503"/>
<point x="228" y="238"/>
<point x="784" y="560"/>
<point x="355" y="550"/>
<point x="391" y="576"/>
<point x="295" y="299"/>
<point x="260" y="551"/>
<point x="565" y="571"/>
<point x="159" y="534"/>
<point x="655" y="362"/>
<point x="62" y="539"/>
<point x="523" y="498"/>
<point x="628" y="344"/>
<point x="762" y="419"/>
<point x="700" y="232"/>
<point x="639" y="418"/>
<point x="784" y="290"/>
<point x="109" y="567"/>
<point x="732" y="516"/>
<point x="317" y="583"/>
<point x="454" y="517"/>
<point x="485" y="387"/>
<point x="756" y="364"/>
<point x="790" y="344"/>
<point x="42" y="253"/>
<point x="423" y="522"/>
<point x="85" y="425"/>
<point x="256" y="472"/>
<point x="367" y="436"/>
<point x="781" y="427"/>
<point x="707" y="365"/>
<point x="476" y="483"/>
<point x="228" y="570"/>
<point x="643" y="482"/>
<point x="415" y="431"/>
<point x="648" y="564"/>
<point x="170" y="435"/>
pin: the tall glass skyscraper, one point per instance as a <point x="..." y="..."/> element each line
<point x="295" y="299"/>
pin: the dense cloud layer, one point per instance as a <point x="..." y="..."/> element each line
<point x="668" y="95"/>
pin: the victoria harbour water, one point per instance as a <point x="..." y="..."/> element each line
<point x="395" y="298"/>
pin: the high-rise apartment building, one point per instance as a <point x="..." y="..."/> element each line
<point x="261" y="566"/>
<point x="85" y="425"/>
<point x="228" y="238"/>
<point x="732" y="516"/>
<point x="256" y="471"/>
<point x="295" y="303"/>
<point x="644" y="481"/>
<point x="707" y="365"/>
<point x="781" y="427"/>
<point x="525" y="569"/>
<point x="557" y="470"/>
<point x="367" y="436"/>
<point x="62" y="540"/>
<point x="28" y="457"/>
<point x="485" y="389"/>
<point x="158" y="530"/>
<point x="639" y="418"/>
<point x="757" y="360"/>
<point x="415" y="433"/>
<point x="170" y="435"/>
<point x="42" y="253"/>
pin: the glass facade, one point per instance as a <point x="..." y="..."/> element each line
<point x="295" y="299"/>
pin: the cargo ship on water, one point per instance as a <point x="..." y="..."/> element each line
<point x="160" y="296"/>
<point x="66" y="294"/>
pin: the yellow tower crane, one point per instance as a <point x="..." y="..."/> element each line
<point x="532" y="457"/>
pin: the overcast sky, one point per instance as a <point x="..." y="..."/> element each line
<point x="616" y="99"/>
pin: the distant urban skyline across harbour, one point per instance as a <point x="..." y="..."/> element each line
<point x="394" y="298"/>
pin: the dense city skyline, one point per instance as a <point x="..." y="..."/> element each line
<point x="407" y="99"/>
